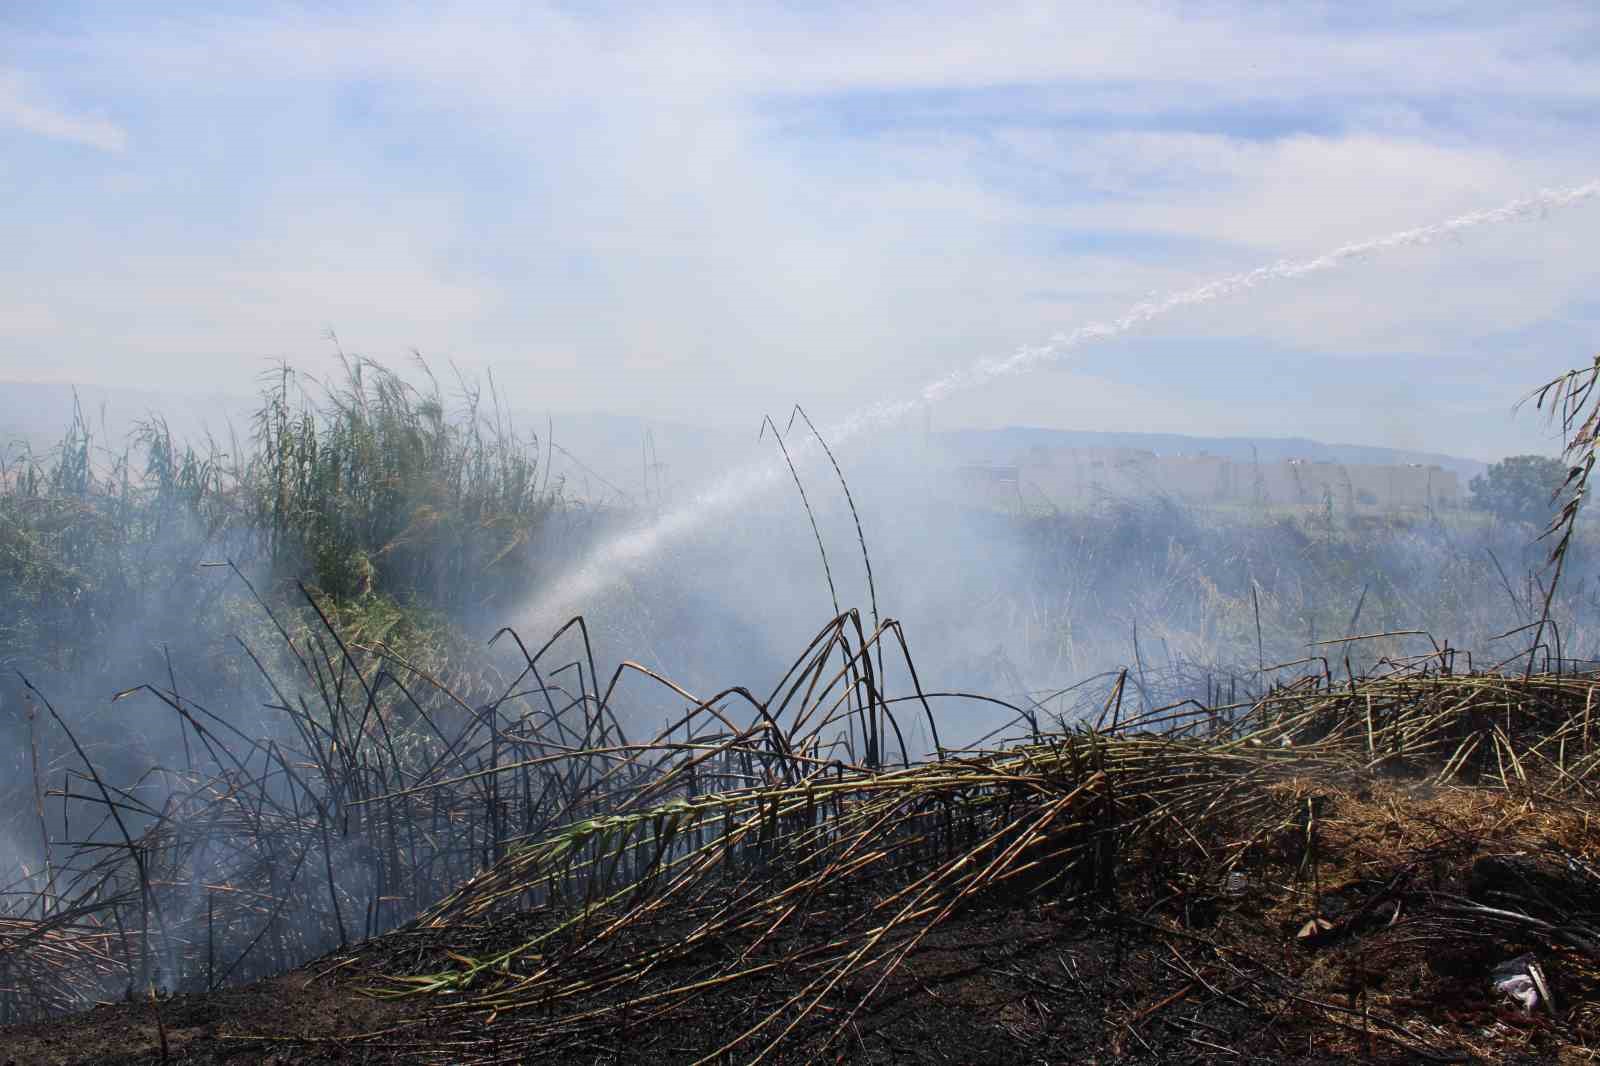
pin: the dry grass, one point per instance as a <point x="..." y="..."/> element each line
<point x="1438" y="825"/>
<point x="763" y="872"/>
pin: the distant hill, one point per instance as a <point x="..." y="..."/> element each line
<point x="1005" y="445"/>
<point x="603" y="454"/>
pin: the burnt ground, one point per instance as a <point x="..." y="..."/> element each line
<point x="1176" y="970"/>
<point x="994" y="987"/>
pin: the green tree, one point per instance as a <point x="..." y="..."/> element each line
<point x="1521" y="488"/>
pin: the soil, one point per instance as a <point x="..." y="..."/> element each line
<point x="994" y="988"/>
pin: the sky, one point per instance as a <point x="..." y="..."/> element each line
<point x="707" y="213"/>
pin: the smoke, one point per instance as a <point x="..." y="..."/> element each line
<point x="1040" y="609"/>
<point x="636" y="547"/>
<point x="1204" y="604"/>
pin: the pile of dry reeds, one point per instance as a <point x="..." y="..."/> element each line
<point x="794" y="901"/>
<point x="379" y="789"/>
<point x="784" y="855"/>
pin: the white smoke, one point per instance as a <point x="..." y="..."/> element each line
<point x="612" y="558"/>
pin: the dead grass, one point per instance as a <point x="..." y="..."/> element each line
<point x="1329" y="871"/>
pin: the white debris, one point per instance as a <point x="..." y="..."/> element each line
<point x="1519" y="988"/>
<point x="1522" y="981"/>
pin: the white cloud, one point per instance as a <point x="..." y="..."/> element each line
<point x="761" y="207"/>
<point x="19" y="109"/>
<point x="1304" y="194"/>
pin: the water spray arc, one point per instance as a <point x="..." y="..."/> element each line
<point x="602" y="564"/>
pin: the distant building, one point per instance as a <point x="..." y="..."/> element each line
<point x="1076" y="476"/>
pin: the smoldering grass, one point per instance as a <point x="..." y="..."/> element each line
<point x="741" y="821"/>
<point x="1031" y="819"/>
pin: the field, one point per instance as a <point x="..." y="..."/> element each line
<point x="329" y="828"/>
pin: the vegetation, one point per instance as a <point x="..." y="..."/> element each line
<point x="1272" y="860"/>
<point x="1522" y="488"/>
<point x="376" y="488"/>
<point x="368" y="490"/>
<point x="1194" y="600"/>
<point x="749" y="881"/>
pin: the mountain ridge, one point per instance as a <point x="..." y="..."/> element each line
<point x="37" y="413"/>
<point x="1005" y="444"/>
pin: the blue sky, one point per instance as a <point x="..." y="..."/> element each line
<point x="709" y="212"/>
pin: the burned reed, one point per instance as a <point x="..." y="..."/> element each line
<point x="764" y="868"/>
<point x="793" y="903"/>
